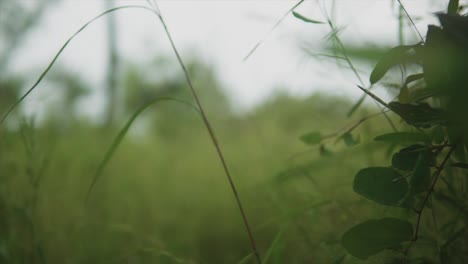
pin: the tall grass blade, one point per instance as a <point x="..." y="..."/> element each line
<point x="57" y="55"/>
<point x="411" y="20"/>
<point x="116" y="142"/>
<point x="272" y="29"/>
<point x="213" y="138"/>
<point x="246" y="259"/>
<point x="356" y="106"/>
<point x="343" y="50"/>
<point x="373" y="96"/>
<point x="274" y="245"/>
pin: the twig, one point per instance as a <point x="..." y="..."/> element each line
<point x="347" y="129"/>
<point x="426" y="198"/>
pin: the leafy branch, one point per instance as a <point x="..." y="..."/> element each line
<point x="419" y="212"/>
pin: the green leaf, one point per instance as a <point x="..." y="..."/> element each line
<point x="407" y="158"/>
<point x="445" y="255"/>
<point x="421" y="178"/>
<point x="453" y="237"/>
<point x="402" y="137"/>
<point x="381" y="184"/>
<point x="413" y="78"/>
<point x="325" y="151"/>
<point x="460" y="152"/>
<point x="273" y="247"/>
<point x="120" y="136"/>
<point x="420" y="94"/>
<point x="311" y="138"/>
<point x="452" y="7"/>
<point x="305" y="19"/>
<point x="245" y="259"/>
<point x="57" y="55"/>
<point x="404" y="96"/>
<point x="395" y="56"/>
<point x="438" y="134"/>
<point x="356" y="106"/>
<point x="339" y="259"/>
<point x="460" y="165"/>
<point x="419" y="115"/>
<point x="349" y="140"/>
<point x="373" y="236"/>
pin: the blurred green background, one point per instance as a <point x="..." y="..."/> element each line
<point x="163" y="197"/>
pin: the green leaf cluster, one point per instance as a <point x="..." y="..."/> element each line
<point x="435" y="114"/>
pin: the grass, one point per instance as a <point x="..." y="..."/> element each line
<point x="159" y="198"/>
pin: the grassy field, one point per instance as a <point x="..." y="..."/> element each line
<point x="163" y="198"/>
<point x="163" y="195"/>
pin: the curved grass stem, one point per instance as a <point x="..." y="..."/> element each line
<point x="154" y="9"/>
<point x="213" y="139"/>
<point x="57" y="55"/>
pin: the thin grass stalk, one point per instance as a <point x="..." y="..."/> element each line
<point x="351" y="65"/>
<point x="155" y="10"/>
<point x="272" y="29"/>
<point x="411" y="20"/>
<point x="118" y="139"/>
<point x="57" y="55"/>
<point x="213" y="139"/>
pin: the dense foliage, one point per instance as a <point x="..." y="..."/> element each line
<point x="427" y="174"/>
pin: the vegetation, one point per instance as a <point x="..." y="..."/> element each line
<point x="147" y="187"/>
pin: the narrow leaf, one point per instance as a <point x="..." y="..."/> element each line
<point x="255" y="47"/>
<point x="373" y="96"/>
<point x="460" y="165"/>
<point x="274" y="245"/>
<point x="421" y="178"/>
<point x="57" y="55"/>
<point x="373" y="236"/>
<point x="356" y="106"/>
<point x="381" y="184"/>
<point x="311" y="138"/>
<point x="349" y="140"/>
<point x="404" y="95"/>
<point x="413" y="78"/>
<point x="393" y="57"/>
<point x="419" y="115"/>
<point x="407" y="158"/>
<point x="402" y="137"/>
<point x="305" y="19"/>
<point x="245" y="259"/>
<point x="325" y="151"/>
<point x="452" y="8"/>
<point x="118" y="139"/>
<point x="340" y="259"/>
<point x="438" y="134"/>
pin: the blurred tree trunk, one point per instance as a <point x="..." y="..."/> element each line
<point x="112" y="67"/>
<point x="16" y="20"/>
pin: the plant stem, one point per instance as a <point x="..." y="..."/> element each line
<point x="428" y="195"/>
<point x="272" y="29"/>
<point x="411" y="20"/>
<point x="213" y="139"/>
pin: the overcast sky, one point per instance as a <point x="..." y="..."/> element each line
<point x="221" y="32"/>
